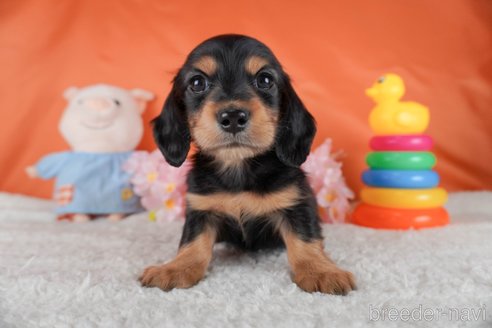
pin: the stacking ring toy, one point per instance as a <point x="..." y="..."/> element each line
<point x="400" y="178"/>
<point x="385" y="218"/>
<point x="401" y="160"/>
<point x="404" y="198"/>
<point x="418" y="142"/>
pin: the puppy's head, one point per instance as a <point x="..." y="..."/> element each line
<point x="233" y="99"/>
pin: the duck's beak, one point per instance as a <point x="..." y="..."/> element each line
<point x="371" y="92"/>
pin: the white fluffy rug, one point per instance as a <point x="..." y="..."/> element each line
<point x="85" y="275"/>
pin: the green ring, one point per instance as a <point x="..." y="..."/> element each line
<point x="401" y="160"/>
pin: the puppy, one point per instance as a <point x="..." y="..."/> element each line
<point x="252" y="132"/>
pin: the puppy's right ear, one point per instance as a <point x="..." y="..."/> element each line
<point x="171" y="131"/>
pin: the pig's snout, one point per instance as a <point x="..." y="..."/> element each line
<point x="100" y="108"/>
<point x="99" y="104"/>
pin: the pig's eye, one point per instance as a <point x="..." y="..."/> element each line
<point x="117" y="102"/>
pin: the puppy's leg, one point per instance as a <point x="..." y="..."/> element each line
<point x="194" y="255"/>
<point x="313" y="270"/>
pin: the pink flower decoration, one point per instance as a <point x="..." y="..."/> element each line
<point x="136" y="159"/>
<point x="172" y="208"/>
<point x="326" y="179"/>
<point x="160" y="185"/>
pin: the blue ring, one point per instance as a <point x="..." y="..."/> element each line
<point x="411" y="179"/>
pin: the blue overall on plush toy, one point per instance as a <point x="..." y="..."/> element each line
<point x="90" y="183"/>
<point x="103" y="125"/>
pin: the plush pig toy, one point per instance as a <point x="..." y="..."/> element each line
<point x="103" y="125"/>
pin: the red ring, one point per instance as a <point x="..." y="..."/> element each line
<point x="398" y="219"/>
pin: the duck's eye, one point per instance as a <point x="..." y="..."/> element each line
<point x="117" y="102"/>
<point x="381" y="79"/>
<point x="198" y="84"/>
<point x="264" y="81"/>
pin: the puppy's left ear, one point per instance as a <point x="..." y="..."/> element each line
<point x="171" y="131"/>
<point x="296" y="128"/>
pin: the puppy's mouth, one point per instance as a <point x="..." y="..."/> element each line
<point x="233" y="145"/>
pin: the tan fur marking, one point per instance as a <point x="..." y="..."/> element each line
<point x="203" y="124"/>
<point x="259" y="135"/>
<point x="187" y="269"/>
<point x="206" y="64"/>
<point x="254" y="64"/>
<point x="313" y="270"/>
<point x="233" y="157"/>
<point x="263" y="123"/>
<point x="244" y="204"/>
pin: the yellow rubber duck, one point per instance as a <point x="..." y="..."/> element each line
<point x="392" y="116"/>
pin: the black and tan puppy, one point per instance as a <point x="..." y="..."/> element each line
<point x="252" y="132"/>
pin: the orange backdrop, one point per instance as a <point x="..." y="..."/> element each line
<point x="332" y="49"/>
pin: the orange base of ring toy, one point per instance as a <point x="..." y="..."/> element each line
<point x="398" y="219"/>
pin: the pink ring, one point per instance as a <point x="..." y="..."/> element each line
<point x="419" y="142"/>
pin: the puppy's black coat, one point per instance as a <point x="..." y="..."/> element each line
<point x="262" y="174"/>
<point x="252" y="132"/>
<point x="267" y="172"/>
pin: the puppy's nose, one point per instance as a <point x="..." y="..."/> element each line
<point x="233" y="120"/>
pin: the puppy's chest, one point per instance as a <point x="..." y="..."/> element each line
<point x="245" y="204"/>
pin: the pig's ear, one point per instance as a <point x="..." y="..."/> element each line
<point x="70" y="92"/>
<point x="142" y="97"/>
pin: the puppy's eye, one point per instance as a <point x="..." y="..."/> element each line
<point x="117" y="102"/>
<point x="198" y="84"/>
<point x="264" y="81"/>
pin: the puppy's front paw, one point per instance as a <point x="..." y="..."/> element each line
<point x="332" y="280"/>
<point x="169" y="276"/>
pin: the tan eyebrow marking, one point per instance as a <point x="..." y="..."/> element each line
<point x="206" y="64"/>
<point x="255" y="63"/>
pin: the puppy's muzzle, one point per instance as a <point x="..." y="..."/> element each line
<point x="233" y="120"/>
